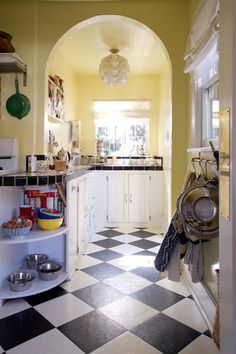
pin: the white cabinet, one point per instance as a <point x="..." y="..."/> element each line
<point x="72" y="222"/>
<point x="129" y="197"/>
<point x="117" y="197"/>
<point x="80" y="215"/>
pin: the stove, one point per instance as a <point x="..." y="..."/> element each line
<point x="9" y="155"/>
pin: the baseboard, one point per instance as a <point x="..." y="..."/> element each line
<point x="202" y="298"/>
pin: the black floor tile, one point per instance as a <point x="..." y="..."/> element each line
<point x="91" y="331"/>
<point x="145" y="244"/>
<point x="21" y="327"/>
<point x="208" y="334"/>
<point x="165" y="334"/>
<point x="110" y="233"/>
<point x="142" y="233"/>
<point x="157" y="297"/>
<point x="45" y="296"/>
<point x="103" y="271"/>
<point x="149" y="273"/>
<point x="98" y="295"/>
<point x="108" y="243"/>
<point x="190" y="297"/>
<point x="106" y="255"/>
<point x="145" y="253"/>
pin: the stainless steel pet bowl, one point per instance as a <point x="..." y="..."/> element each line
<point x="20" y="281"/>
<point x="33" y="260"/>
<point x="49" y="270"/>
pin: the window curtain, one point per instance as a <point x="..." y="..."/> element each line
<point x="203" y="34"/>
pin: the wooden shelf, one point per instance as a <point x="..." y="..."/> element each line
<point x="11" y="63"/>
<point x="53" y="119"/>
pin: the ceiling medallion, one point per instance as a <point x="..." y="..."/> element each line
<point x="114" y="69"/>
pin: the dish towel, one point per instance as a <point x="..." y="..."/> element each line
<point x="168" y="246"/>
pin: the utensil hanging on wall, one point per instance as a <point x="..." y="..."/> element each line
<point x="18" y="105"/>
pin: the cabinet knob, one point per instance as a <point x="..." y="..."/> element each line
<point x="130" y="198"/>
<point x="126" y="198"/>
<point x="73" y="188"/>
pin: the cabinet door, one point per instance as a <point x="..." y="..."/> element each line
<point x="72" y="222"/>
<point x="81" y="214"/>
<point x="101" y="198"/>
<point x="117" y="192"/>
<point x="156" y="198"/>
<point x="139" y="202"/>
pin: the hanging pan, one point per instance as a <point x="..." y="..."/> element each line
<point x="18" y="105"/>
<point x="198" y="208"/>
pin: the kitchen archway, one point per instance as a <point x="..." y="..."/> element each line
<point x="76" y="57"/>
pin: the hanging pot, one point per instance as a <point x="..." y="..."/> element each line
<point x="18" y="105"/>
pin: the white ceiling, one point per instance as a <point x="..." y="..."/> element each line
<point x="84" y="47"/>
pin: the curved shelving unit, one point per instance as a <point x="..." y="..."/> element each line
<point x="33" y="236"/>
<point x="38" y="286"/>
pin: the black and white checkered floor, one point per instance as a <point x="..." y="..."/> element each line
<point x="115" y="303"/>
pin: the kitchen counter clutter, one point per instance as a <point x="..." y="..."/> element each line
<point x="121" y="193"/>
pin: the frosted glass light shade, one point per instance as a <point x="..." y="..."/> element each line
<point x="114" y="69"/>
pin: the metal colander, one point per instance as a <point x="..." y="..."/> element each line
<point x="199" y="210"/>
<point x="205" y="209"/>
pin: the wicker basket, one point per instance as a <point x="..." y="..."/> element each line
<point x="60" y="165"/>
<point x="17" y="232"/>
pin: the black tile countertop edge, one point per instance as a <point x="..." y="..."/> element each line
<point x="28" y="179"/>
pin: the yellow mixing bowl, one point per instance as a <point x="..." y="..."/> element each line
<point x="50" y="224"/>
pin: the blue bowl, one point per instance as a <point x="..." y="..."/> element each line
<point x="45" y="213"/>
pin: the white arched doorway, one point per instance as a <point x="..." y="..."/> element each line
<point x="75" y="57"/>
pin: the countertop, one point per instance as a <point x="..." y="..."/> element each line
<point x="52" y="176"/>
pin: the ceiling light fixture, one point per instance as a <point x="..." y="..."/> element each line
<point x="114" y="69"/>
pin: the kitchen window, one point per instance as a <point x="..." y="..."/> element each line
<point x="206" y="101"/>
<point x="123" y="126"/>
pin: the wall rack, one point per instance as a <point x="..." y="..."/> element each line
<point x="12" y="63"/>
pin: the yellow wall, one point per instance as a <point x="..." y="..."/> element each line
<point x="37" y="26"/>
<point x="164" y="139"/>
<point x="90" y="88"/>
<point x="58" y="65"/>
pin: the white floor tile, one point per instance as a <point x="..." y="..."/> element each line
<point x="177" y="287"/>
<point x="87" y="261"/>
<point x="53" y="342"/>
<point x="13" y="306"/>
<point x="1" y="350"/>
<point x="133" y="261"/>
<point x="127" y="343"/>
<point x="126" y="249"/>
<point x="97" y="237"/>
<point x="63" y="309"/>
<point x="154" y="230"/>
<point x="156" y="238"/>
<point x="126" y="238"/>
<point x="154" y="249"/>
<point x="78" y="281"/>
<point x="186" y="311"/>
<point x="126" y="229"/>
<point x="128" y="312"/>
<point x="202" y="344"/>
<point x="127" y="282"/>
<point x="91" y="248"/>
